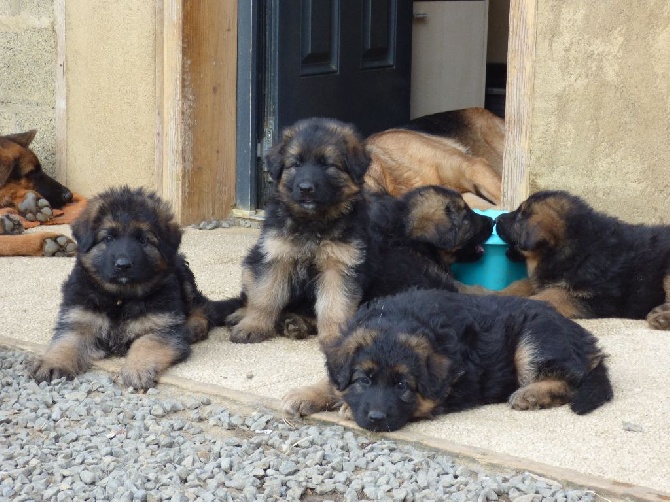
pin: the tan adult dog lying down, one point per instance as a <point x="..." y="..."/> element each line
<point x="459" y="149"/>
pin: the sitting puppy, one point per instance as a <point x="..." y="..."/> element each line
<point x="410" y="242"/>
<point x="587" y="264"/>
<point x="424" y="352"/>
<point x="313" y="242"/>
<point x="130" y="292"/>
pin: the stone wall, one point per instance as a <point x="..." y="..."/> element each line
<point x="28" y="69"/>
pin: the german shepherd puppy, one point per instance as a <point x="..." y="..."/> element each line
<point x="313" y="243"/>
<point x="413" y="240"/>
<point x="130" y="292"/>
<point x="588" y="264"/>
<point x="425" y="352"/>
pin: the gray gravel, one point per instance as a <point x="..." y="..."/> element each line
<point x="88" y="439"/>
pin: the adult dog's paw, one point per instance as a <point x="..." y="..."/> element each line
<point x="35" y="208"/>
<point x="61" y="245"/>
<point x="10" y="224"/>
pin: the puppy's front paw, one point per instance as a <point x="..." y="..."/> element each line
<point x="242" y="334"/>
<point x="659" y="317"/>
<point x="311" y="399"/>
<point x="345" y="412"/>
<point x="35" y="208"/>
<point x="297" y="327"/>
<point x="10" y="224"/>
<point x="138" y="378"/>
<point x="44" y="370"/>
<point x="302" y="402"/>
<point x="540" y="395"/>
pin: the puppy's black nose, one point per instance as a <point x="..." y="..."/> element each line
<point x="67" y="196"/>
<point x="123" y="263"/>
<point x="306" y="187"/>
<point x="376" y="416"/>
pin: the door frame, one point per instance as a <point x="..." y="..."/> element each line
<point x="172" y="132"/>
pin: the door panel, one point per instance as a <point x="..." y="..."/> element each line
<point x="344" y="59"/>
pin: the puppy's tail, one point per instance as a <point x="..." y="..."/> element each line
<point x="218" y="311"/>
<point x="594" y="391"/>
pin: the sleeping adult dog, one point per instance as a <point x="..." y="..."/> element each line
<point x="27" y="191"/>
<point x="460" y="149"/>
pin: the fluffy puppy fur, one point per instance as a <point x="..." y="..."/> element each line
<point x="425" y="352"/>
<point x="588" y="264"/>
<point x="313" y="243"/>
<point x="130" y="292"/>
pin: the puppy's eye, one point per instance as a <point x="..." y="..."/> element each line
<point x="294" y="165"/>
<point x="363" y="380"/>
<point x="107" y="239"/>
<point x="142" y="239"/>
<point x="401" y="385"/>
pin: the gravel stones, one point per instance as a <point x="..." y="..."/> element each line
<point x="89" y="440"/>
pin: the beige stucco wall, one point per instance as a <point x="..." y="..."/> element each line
<point x="601" y="108"/>
<point x="111" y="94"/>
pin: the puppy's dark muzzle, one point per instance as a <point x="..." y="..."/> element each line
<point x="376" y="416"/>
<point x="306" y="188"/>
<point x="123" y="264"/>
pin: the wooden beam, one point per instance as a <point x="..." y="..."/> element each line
<point x="196" y="71"/>
<point x="170" y="108"/>
<point x="519" y="102"/>
<point x="209" y="92"/>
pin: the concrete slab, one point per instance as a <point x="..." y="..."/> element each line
<point x="623" y="445"/>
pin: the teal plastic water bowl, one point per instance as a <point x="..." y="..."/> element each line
<point x="493" y="270"/>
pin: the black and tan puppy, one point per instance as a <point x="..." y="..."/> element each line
<point x="130" y="292"/>
<point x="425" y="352"/>
<point x="313" y="242"/>
<point x="413" y="241"/>
<point x="588" y="264"/>
<point x="416" y="238"/>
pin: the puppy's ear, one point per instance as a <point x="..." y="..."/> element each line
<point x="274" y="161"/>
<point x="22" y="138"/>
<point x="357" y="158"/>
<point x="82" y="230"/>
<point x="339" y="363"/>
<point x="440" y="374"/>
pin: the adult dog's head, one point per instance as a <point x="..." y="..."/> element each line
<point x="439" y="216"/>
<point x="20" y="165"/>
<point x="387" y="367"/>
<point x="318" y="166"/>
<point x="127" y="240"/>
<point x="543" y="223"/>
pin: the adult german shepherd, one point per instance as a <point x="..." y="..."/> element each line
<point x="26" y="190"/>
